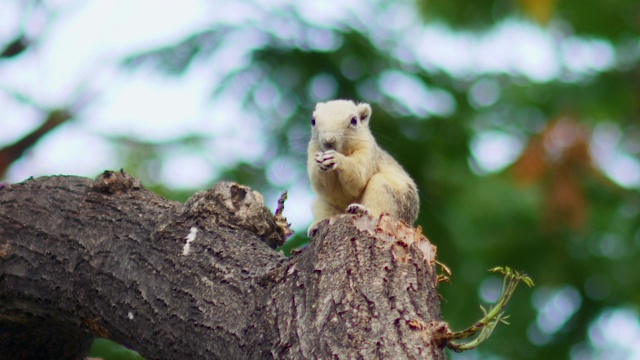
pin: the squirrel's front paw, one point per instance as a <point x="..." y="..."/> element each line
<point x="356" y="208"/>
<point x="326" y="160"/>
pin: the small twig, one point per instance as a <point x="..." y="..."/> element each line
<point x="446" y="275"/>
<point x="495" y="315"/>
<point x="281" y="200"/>
<point x="281" y="221"/>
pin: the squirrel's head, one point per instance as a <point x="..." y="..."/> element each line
<point x="340" y="125"/>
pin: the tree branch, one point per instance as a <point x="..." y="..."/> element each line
<point x="108" y="258"/>
<point x="11" y="153"/>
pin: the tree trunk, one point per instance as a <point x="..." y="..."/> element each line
<point x="201" y="280"/>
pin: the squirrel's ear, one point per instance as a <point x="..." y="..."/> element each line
<point x="364" y="112"/>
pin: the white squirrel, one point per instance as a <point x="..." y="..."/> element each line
<point x="350" y="172"/>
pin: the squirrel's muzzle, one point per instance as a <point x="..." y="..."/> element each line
<point x="328" y="142"/>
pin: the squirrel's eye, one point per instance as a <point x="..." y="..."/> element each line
<point x="354" y="121"/>
<point x="313" y="121"/>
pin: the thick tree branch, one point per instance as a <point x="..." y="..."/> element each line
<point x="199" y="280"/>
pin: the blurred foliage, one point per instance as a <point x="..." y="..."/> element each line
<point x="614" y="20"/>
<point x="107" y="349"/>
<point x="552" y="213"/>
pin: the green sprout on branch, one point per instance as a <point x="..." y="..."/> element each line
<point x="495" y="314"/>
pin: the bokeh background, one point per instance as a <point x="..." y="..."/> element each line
<point x="519" y="120"/>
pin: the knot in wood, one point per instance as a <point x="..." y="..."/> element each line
<point x="235" y="206"/>
<point x="116" y="182"/>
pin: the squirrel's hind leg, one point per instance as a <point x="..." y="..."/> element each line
<point x="378" y="197"/>
<point x="386" y="194"/>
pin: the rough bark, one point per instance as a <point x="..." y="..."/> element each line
<point x="82" y="258"/>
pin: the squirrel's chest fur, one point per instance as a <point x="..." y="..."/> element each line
<point x="330" y="187"/>
<point x="346" y="184"/>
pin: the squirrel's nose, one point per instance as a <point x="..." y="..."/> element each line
<point x="329" y="143"/>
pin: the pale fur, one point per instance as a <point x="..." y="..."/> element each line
<point x="349" y="171"/>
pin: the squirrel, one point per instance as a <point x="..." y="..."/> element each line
<point x="349" y="171"/>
